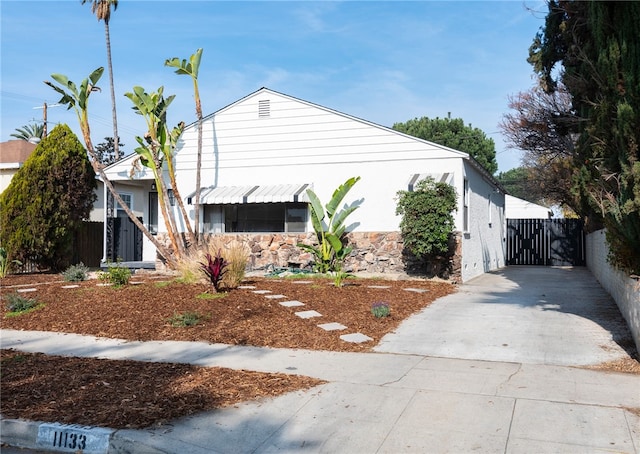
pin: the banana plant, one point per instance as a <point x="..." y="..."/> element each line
<point x="77" y="98"/>
<point x="190" y="68"/>
<point x="329" y="224"/>
<point x="156" y="150"/>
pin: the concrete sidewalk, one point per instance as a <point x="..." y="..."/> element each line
<point x="375" y="402"/>
<point x="487" y="369"/>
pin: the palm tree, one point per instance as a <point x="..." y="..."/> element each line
<point x="102" y="10"/>
<point x="30" y="132"/>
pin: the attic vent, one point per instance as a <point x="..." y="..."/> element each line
<point x="264" y="109"/>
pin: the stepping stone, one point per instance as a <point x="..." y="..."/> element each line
<point x="246" y="287"/>
<point x="416" y="290"/>
<point x="308" y="314"/>
<point x="26" y="290"/>
<point x="302" y="282"/>
<point x="261" y="292"/>
<point x="274" y="297"/>
<point x="70" y="286"/>
<point x="292" y="303"/>
<point x="136" y="283"/>
<point x="332" y="326"/>
<point x="378" y="286"/>
<point x="106" y="284"/>
<point x="356" y="338"/>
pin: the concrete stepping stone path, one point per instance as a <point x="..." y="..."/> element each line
<point x="26" y="290"/>
<point x="356" y="338"/>
<point x="334" y="326"/>
<point x="70" y="286"/>
<point x="308" y="314"/>
<point x="274" y="297"/>
<point x="246" y="287"/>
<point x="416" y="290"/>
<point x="292" y="303"/>
<point x="262" y="292"/>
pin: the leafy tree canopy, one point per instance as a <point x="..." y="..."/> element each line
<point x="106" y="151"/>
<point x="453" y="133"/>
<point x="47" y="200"/>
<point x="593" y="48"/>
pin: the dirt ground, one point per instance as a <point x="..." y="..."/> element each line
<point x="121" y="394"/>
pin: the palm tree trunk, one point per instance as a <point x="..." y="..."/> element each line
<point x="116" y="139"/>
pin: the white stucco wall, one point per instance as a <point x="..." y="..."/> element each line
<point x="483" y="243"/>
<point x="623" y="289"/>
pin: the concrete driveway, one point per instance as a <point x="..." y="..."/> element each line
<point x="524" y="314"/>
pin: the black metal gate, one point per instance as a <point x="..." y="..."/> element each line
<point x="549" y="242"/>
<point x="125" y="240"/>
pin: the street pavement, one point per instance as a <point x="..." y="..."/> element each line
<point x="497" y="383"/>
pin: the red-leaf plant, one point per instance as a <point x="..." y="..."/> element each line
<point x="214" y="268"/>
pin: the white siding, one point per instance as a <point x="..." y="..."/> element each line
<point x="521" y="209"/>
<point x="302" y="143"/>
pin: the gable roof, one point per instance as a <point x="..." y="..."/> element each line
<point x="15" y="151"/>
<point x="263" y="90"/>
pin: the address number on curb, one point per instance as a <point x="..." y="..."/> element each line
<point x="73" y="438"/>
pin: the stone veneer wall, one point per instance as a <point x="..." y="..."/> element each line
<point x="373" y="252"/>
<point x="622" y="288"/>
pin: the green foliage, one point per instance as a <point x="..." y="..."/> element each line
<point x="427" y="219"/>
<point x="186" y="319"/>
<point x="517" y="183"/>
<point x="598" y="46"/>
<point x="76" y="273"/>
<point x="330" y="228"/>
<point x="18" y="304"/>
<point x="5" y="262"/>
<point x="106" y="151"/>
<point x="453" y="133"/>
<point x="116" y="274"/>
<point x="47" y="200"/>
<point x="380" y="310"/>
<point x="28" y="132"/>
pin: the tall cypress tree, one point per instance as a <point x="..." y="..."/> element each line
<point x="598" y="45"/>
<point x="47" y="200"/>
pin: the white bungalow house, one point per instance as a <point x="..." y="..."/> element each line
<point x="13" y="154"/>
<point x="262" y="152"/>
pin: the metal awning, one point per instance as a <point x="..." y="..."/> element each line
<point x="252" y="194"/>
<point x="437" y="177"/>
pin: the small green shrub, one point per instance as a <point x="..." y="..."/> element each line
<point x="5" y="263"/>
<point x="186" y="319"/>
<point x="380" y="310"/>
<point x="76" y="273"/>
<point x="18" y="304"/>
<point x="116" y="274"/>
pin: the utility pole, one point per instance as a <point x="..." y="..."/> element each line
<point x="44" y="117"/>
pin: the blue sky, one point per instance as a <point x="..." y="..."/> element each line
<point x="383" y="61"/>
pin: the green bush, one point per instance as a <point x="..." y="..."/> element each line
<point x="47" y="201"/>
<point x="427" y="219"/>
<point x="19" y="304"/>
<point x="76" y="273"/>
<point x="116" y="274"/>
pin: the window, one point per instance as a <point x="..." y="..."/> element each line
<point x="127" y="198"/>
<point x="153" y="212"/>
<point x="465" y="206"/>
<point x="260" y="217"/>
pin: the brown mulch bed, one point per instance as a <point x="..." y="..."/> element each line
<point x="126" y="394"/>
<point x="122" y="394"/>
